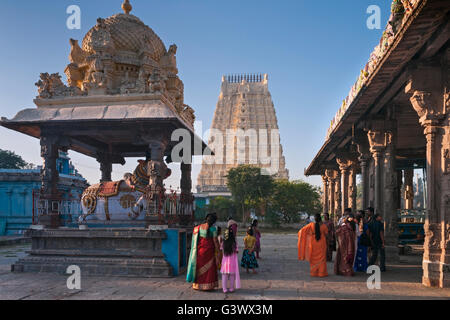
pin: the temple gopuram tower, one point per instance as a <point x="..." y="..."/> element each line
<point x="245" y="106"/>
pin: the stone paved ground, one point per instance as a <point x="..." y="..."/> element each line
<point x="281" y="276"/>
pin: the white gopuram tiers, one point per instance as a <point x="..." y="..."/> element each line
<point x="245" y="105"/>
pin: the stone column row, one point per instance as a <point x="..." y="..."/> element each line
<point x="339" y="190"/>
<point x="331" y="193"/>
<point x="348" y="166"/>
<point x="429" y="93"/>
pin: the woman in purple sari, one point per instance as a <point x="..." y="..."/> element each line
<point x="257" y="235"/>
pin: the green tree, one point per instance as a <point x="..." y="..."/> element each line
<point x="250" y="188"/>
<point x="10" y="160"/>
<point x="359" y="195"/>
<point x="224" y="207"/>
<point x="310" y="197"/>
<point x="289" y="199"/>
<point x="285" y="200"/>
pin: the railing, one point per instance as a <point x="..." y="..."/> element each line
<point x="238" y="78"/>
<point x="411" y="215"/>
<point x="411" y="226"/>
<point x="172" y="208"/>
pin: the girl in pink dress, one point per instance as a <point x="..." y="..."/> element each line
<point x="230" y="267"/>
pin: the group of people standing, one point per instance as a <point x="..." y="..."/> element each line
<point x="211" y="251"/>
<point x="353" y="238"/>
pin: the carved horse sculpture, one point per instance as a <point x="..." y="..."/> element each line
<point x="126" y="199"/>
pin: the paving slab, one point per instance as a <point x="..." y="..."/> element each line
<point x="280" y="277"/>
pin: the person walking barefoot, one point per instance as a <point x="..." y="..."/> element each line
<point x="312" y="247"/>
<point x="230" y="267"/>
<point x="248" y="258"/>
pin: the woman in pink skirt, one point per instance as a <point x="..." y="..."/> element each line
<point x="230" y="267"/>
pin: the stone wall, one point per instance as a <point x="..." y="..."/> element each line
<point x="16" y="197"/>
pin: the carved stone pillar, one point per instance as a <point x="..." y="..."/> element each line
<point x="157" y="171"/>
<point x="49" y="195"/>
<point x="376" y="141"/>
<point x="325" y="194"/>
<point x="187" y="198"/>
<point x="331" y="191"/>
<point x="445" y="199"/>
<point x="156" y="167"/>
<point x="363" y="148"/>
<point x="105" y="166"/>
<point x="343" y="159"/>
<point x="390" y="200"/>
<point x="337" y="197"/>
<point x="429" y="91"/>
<point x="186" y="179"/>
<point x="352" y="189"/>
<point x="345" y="176"/>
<point x="408" y="193"/>
<point x="49" y="173"/>
<point x="434" y="223"/>
<point x="364" y="163"/>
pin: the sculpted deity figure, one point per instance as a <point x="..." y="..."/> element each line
<point x="126" y="86"/>
<point x="142" y="82"/>
<point x="156" y="83"/>
<point x="96" y="78"/>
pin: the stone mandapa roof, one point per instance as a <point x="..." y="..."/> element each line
<point x="415" y="28"/>
<point x="145" y="111"/>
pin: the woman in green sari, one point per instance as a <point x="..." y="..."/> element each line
<point x="203" y="264"/>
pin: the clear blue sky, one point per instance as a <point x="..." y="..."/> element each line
<point x="313" y="52"/>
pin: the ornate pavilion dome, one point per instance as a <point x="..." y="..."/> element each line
<point x="118" y="58"/>
<point x="124" y="32"/>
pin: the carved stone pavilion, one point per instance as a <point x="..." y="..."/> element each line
<point x="123" y="99"/>
<point x="244" y="104"/>
<point x="395" y="119"/>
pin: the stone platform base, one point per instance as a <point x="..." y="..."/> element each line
<point x="107" y="252"/>
<point x="157" y="268"/>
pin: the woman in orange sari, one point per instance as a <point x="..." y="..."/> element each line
<point x="312" y="246"/>
<point x="203" y="263"/>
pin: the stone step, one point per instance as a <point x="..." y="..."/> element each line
<point x="152" y="268"/>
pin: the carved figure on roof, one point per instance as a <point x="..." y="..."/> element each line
<point x="156" y="83"/>
<point x="96" y="80"/>
<point x="51" y="85"/>
<point x="142" y="81"/>
<point x="126" y="85"/>
<point x="77" y="55"/>
<point x="169" y="61"/>
<point x="189" y="114"/>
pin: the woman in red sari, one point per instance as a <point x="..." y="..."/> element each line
<point x="346" y="250"/>
<point x="203" y="264"/>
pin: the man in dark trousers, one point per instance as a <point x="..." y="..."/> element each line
<point x="376" y="230"/>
